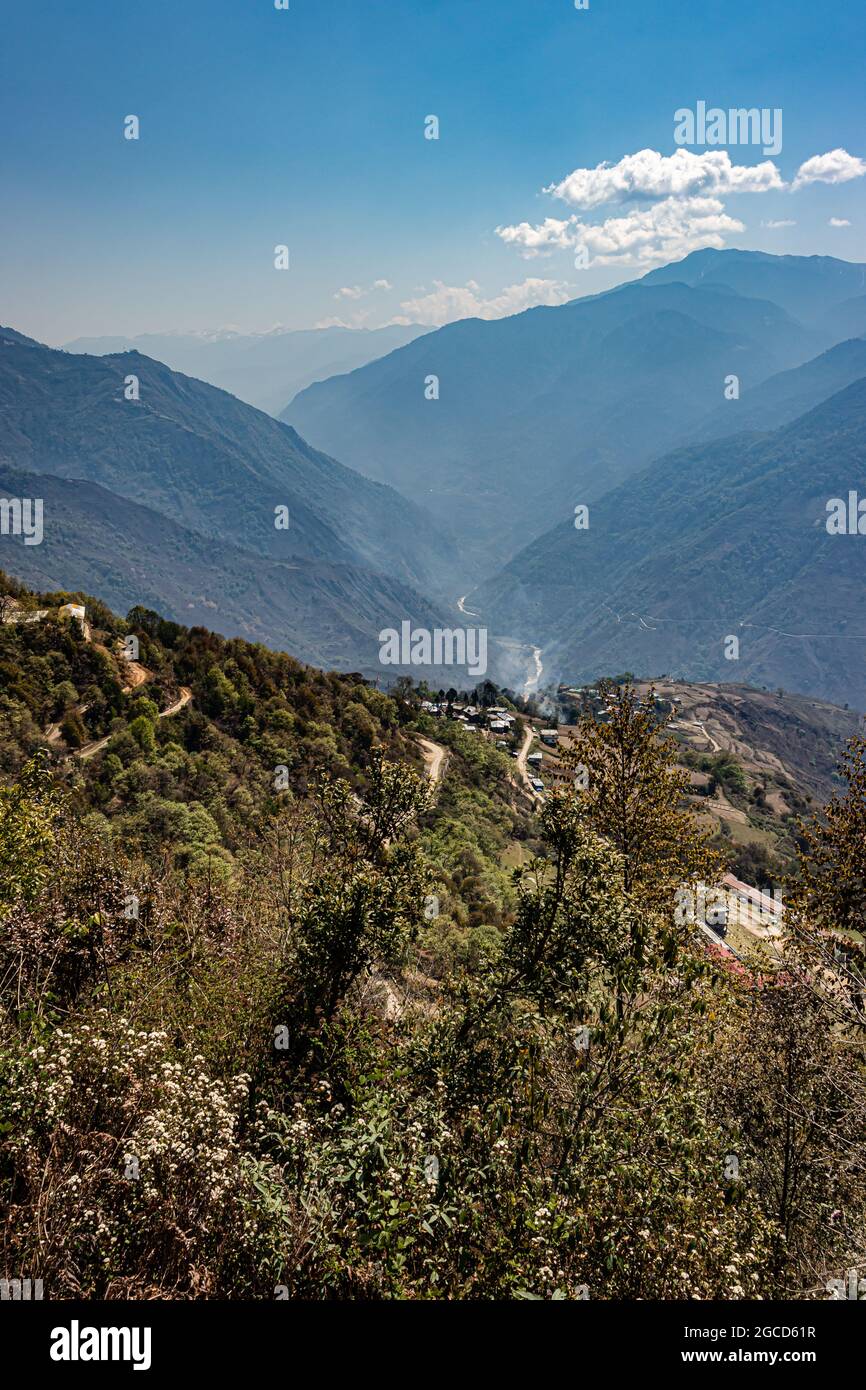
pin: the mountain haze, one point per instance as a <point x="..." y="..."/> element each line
<point x="264" y="369"/>
<point x="169" y="500"/>
<point x="784" y="397"/>
<point x="205" y="460"/>
<point x="551" y="407"/>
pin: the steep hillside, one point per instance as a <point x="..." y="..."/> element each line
<point x="789" y="394"/>
<point x="98" y="542"/>
<point x="175" y="754"/>
<point x="205" y="460"/>
<point x="265" y="989"/>
<point x="846" y="320"/>
<point x="758" y="761"/>
<point x="709" y="543"/>
<point x="547" y="408"/>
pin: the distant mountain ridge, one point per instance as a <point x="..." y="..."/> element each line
<point x="264" y="369"/>
<point x="475" y="444"/>
<point x="95" y="541"/>
<point x="804" y="286"/>
<point x="555" y="406"/>
<point x="784" y="397"/>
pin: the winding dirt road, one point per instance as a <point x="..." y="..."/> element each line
<point x="698" y="724"/>
<point x="521" y="763"/>
<point x="137" y="674"/>
<point x="185" y="697"/>
<point x="434" y="758"/>
<point x="91" y="749"/>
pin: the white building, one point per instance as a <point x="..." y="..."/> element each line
<point x="72" y="610"/>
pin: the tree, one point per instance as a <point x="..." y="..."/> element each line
<point x="577" y="1063"/>
<point x="142" y="731"/>
<point x="826" y="907"/>
<point x="72" y="729"/>
<point x="630" y="791"/>
<point x="28" y="814"/>
<point x="834" y="859"/>
<point x="366" y="903"/>
<point x="791" y="1088"/>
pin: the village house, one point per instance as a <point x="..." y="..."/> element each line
<point x="72" y="610"/>
<point x="758" y="912"/>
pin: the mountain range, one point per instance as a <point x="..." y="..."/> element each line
<point x="705" y="415"/>
<point x="176" y="493"/>
<point x="555" y="406"/>
<point x="264" y="369"/>
<point x="96" y="541"/>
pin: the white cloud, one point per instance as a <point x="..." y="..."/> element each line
<point x="550" y="235"/>
<point x="360" y="291"/>
<point x="666" y="231"/>
<point x="445" y="303"/>
<point x="682" y="202"/>
<point x="837" y="166"/>
<point x="650" y="175"/>
<point x="839" y="222"/>
<point x="333" y="323"/>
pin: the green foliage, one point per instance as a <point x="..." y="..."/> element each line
<point x="725" y="771"/>
<point x="631" y="792"/>
<point x="239" y="1055"/>
<point x="28" y="815"/>
<point x="252" y="711"/>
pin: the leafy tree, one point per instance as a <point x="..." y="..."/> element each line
<point x="630" y="792"/>
<point x="366" y="904"/>
<point x="833" y="890"/>
<point x="793" y="1091"/>
<point x="72" y="729"/>
<point x="28" y="815"/>
<point x="142" y="731"/>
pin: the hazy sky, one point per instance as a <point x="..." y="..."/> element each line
<point x="306" y="127"/>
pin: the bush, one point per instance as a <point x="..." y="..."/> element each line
<point x="128" y="1173"/>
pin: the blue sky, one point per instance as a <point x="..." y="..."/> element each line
<point x="306" y="127"/>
